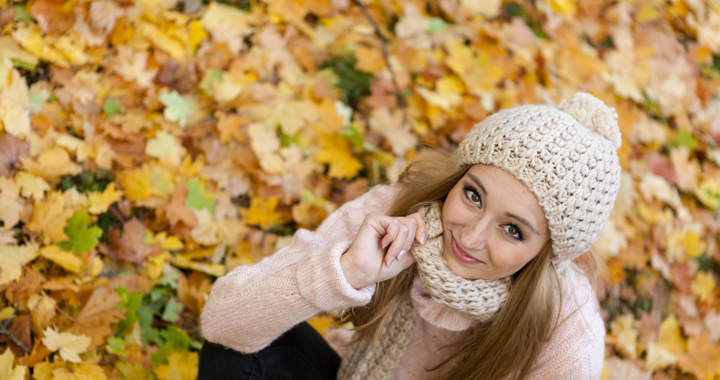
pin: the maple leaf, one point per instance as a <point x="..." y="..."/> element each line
<point x="130" y="246"/>
<point x="11" y="207"/>
<point x="12" y="258"/>
<point x="99" y="202"/>
<point x="177" y="211"/>
<point x="177" y="108"/>
<point x="165" y="145"/>
<point x="69" y="345"/>
<point x="197" y="198"/>
<point x="702" y="358"/>
<point x="11" y="149"/>
<point x="14" y="100"/>
<point x="7" y="372"/>
<point x="703" y="286"/>
<point x="30" y="185"/>
<point x="262" y="213"/>
<point x="336" y="152"/>
<point x="67" y="260"/>
<point x="181" y="366"/>
<point x="100" y="311"/>
<point x="82" y="238"/>
<point x="132" y="66"/>
<point x="83" y="371"/>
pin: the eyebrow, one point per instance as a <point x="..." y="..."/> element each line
<point x="523" y="221"/>
<point x="508" y="214"/>
<point x="477" y="182"/>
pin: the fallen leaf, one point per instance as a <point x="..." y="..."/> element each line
<point x="68" y="345"/>
<point x="12" y="258"/>
<point x="130" y="246"/>
<point x="7" y="372"/>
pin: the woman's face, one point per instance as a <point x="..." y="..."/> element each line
<point x="492" y="225"/>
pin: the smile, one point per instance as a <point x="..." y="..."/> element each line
<point x="461" y="255"/>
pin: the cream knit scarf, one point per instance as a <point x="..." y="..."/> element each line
<point x="473" y="299"/>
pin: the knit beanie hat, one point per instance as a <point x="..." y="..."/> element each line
<point x="566" y="156"/>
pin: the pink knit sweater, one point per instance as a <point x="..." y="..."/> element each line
<point x="253" y="305"/>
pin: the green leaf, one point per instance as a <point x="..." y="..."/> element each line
<point x="21" y="14"/>
<point x="65" y="245"/>
<point x="197" y="198"/>
<point x="116" y="346"/>
<point x="172" y="311"/>
<point x="111" y="107"/>
<point x="436" y="24"/>
<point x="174" y="340"/>
<point x="134" y="371"/>
<point x="351" y="133"/>
<point x="157" y="294"/>
<point x="131" y="302"/>
<point x="36" y="103"/>
<point x="177" y="108"/>
<point x="81" y="237"/>
<point x="148" y="334"/>
<point x="169" y="280"/>
<point x="685" y="139"/>
<point x="21" y="64"/>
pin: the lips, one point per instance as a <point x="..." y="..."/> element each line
<point x="461" y="255"/>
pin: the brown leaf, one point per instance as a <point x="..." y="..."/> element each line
<point x="99" y="312"/>
<point x="51" y="16"/>
<point x="179" y="77"/>
<point x="11" y="149"/>
<point x="176" y="211"/>
<point x="130" y="246"/>
<point x="20" y="329"/>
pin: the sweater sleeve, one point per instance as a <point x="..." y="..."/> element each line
<point x="251" y="306"/>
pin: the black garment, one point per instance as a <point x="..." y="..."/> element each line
<point x="299" y="354"/>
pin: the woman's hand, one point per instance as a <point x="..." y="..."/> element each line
<point x="366" y="261"/>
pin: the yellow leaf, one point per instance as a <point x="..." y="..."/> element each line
<point x="49" y="216"/>
<point x="11" y="206"/>
<point x="156" y="263"/>
<point x="262" y="213"/>
<point x="84" y="371"/>
<point x="32" y="40"/>
<point x="336" y="152"/>
<point x="163" y="41"/>
<point x="31" y="185"/>
<point x="67" y="260"/>
<point x="694" y="247"/>
<point x="82" y="149"/>
<point x="624" y="335"/>
<point x="170" y="243"/>
<point x="702" y="358"/>
<point x="69" y="345"/>
<point x="369" y="60"/>
<point x="703" y="286"/>
<point x="216" y="270"/>
<point x="12" y="258"/>
<point x="71" y="50"/>
<point x="7" y="372"/>
<point x="648" y="11"/>
<point x="445" y="100"/>
<point x="7" y="313"/>
<point x="99" y="202"/>
<point x="181" y="366"/>
<point x="14" y="100"/>
<point x="197" y="34"/>
<point x="145" y="182"/>
<point x="566" y="7"/>
<point x="52" y="164"/>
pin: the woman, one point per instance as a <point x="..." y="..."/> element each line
<point x="460" y="271"/>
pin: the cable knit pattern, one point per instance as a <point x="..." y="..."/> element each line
<point x="253" y="305"/>
<point x="565" y="156"/>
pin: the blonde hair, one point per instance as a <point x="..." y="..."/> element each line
<point x="508" y="345"/>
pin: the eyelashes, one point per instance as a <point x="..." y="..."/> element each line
<point x="473" y="196"/>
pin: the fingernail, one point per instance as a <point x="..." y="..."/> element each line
<point x="422" y="239"/>
<point x="386" y="244"/>
<point x="401" y="255"/>
<point x="391" y="262"/>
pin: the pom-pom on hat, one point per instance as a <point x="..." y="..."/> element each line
<point x="565" y="155"/>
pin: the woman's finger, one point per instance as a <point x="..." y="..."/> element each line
<point x="398" y="244"/>
<point x="421" y="232"/>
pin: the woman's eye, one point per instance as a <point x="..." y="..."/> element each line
<point x="513" y="231"/>
<point x="473" y="196"/>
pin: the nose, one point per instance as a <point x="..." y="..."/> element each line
<point x="476" y="232"/>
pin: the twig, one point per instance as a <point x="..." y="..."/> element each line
<point x="4" y="330"/>
<point x="65" y="314"/>
<point x="117" y="214"/>
<point x="386" y="57"/>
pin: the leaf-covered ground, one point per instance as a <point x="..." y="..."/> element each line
<point x="149" y="146"/>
